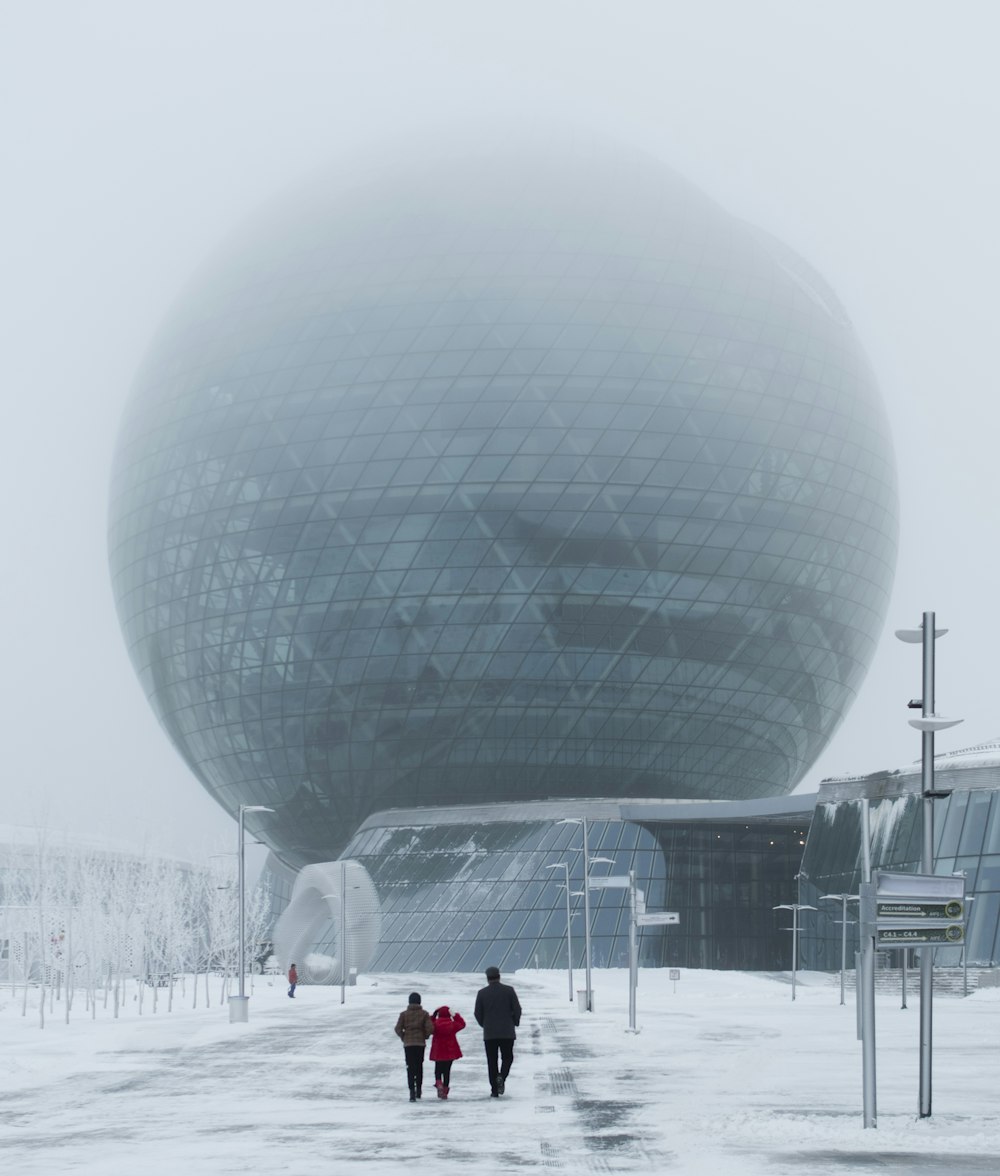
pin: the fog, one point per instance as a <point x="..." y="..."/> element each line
<point x="137" y="136"/>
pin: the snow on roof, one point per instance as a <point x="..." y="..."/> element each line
<point x="980" y="756"/>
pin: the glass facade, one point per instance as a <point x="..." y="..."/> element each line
<point x="966" y="840"/>
<point x="502" y="474"/>
<point x="457" y="896"/>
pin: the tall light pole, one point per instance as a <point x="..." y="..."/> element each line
<point x="343" y="931"/>
<point x="342" y="897"/>
<point x="965" y="942"/>
<point x="794" y="907"/>
<point x="633" y="950"/>
<point x="965" y="947"/>
<point x="866" y="975"/>
<point x="589" y="994"/>
<point x="844" y="899"/>
<point x="564" y="866"/>
<point x="238" y="1005"/>
<point x="928" y="723"/>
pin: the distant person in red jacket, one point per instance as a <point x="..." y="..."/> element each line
<point x="444" y="1046"/>
<point x="293" y="979"/>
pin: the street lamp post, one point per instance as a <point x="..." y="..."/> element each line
<point x="794" y="907"/>
<point x="633" y="950"/>
<point x="569" y="931"/>
<point x="965" y="942"/>
<point x="588" y="862"/>
<point x="343" y="931"/>
<point x="844" y="899"/>
<point x="238" y="1004"/>
<point x="965" y="951"/>
<point x="588" y="995"/>
<point x="928" y="723"/>
<point x="865" y="974"/>
<point x="582" y="821"/>
<point x="342" y="897"/>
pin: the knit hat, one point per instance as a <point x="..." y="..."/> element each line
<point x="492" y="972"/>
<point x="443" y="1011"/>
<point x="415" y="996"/>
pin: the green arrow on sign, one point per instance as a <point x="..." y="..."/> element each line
<point x="954" y="933"/>
<point x="908" y="909"/>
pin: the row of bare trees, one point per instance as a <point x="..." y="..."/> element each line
<point x="84" y="925"/>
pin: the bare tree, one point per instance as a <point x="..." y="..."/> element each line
<point x="74" y="918"/>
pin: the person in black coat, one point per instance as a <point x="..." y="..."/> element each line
<point x="499" y="1012"/>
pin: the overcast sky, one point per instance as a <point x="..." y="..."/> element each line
<point x="864" y="134"/>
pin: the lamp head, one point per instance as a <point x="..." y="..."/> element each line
<point x="916" y="636"/>
<point x="933" y="723"/>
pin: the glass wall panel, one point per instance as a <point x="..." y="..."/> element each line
<point x="977" y="812"/>
<point x="965" y="824"/>
<point x="948" y="824"/>
<point x="991" y="842"/>
<point x="517" y="911"/>
<point x="981" y="944"/>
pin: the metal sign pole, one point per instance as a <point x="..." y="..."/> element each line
<point x="928" y="723"/>
<point x="868" y="969"/>
<point x="843" y="948"/>
<point x="859" y="1003"/>
<point x="927" y="865"/>
<point x="902" y="1004"/>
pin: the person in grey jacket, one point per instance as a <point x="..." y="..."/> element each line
<point x="413" y="1027"/>
<point x="499" y="1012"/>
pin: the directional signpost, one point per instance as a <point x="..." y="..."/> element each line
<point x="638" y="917"/>
<point x="953" y="935"/>
<point x="915" y="910"/>
<point x="642" y="918"/>
<point x="659" y="919"/>
<point x="948" y="911"/>
<point x="918" y="910"/>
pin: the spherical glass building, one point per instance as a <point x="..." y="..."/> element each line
<point x="502" y="472"/>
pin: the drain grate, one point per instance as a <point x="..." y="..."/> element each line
<point x="562" y="1082"/>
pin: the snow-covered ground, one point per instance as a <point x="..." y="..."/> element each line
<point x="726" y="1074"/>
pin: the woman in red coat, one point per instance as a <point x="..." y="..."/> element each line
<point x="444" y="1046"/>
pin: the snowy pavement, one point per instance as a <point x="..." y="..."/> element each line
<point x="726" y="1073"/>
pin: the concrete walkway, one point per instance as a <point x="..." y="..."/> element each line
<point x="311" y="1086"/>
